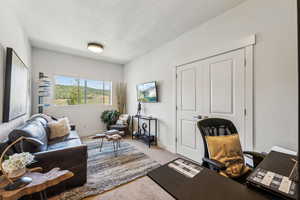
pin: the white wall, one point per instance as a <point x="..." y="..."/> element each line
<point x="275" y="69"/>
<point x="11" y="35"/>
<point x="86" y="117"/>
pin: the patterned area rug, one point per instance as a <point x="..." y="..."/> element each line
<point x="107" y="171"/>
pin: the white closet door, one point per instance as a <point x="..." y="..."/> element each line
<point x="214" y="87"/>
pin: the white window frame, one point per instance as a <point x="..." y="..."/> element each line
<point x="84" y="79"/>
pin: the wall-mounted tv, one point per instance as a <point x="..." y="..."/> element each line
<point x="147" y="92"/>
<point x="16" y="87"/>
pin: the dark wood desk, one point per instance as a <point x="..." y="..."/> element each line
<point x="208" y="185"/>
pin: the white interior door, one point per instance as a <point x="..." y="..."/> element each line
<point x="213" y="87"/>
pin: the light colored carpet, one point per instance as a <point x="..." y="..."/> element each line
<point x="107" y="171"/>
<point x="143" y="188"/>
<point x="140" y="189"/>
<point x="135" y="190"/>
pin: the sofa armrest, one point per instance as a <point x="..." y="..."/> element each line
<point x="63" y="158"/>
<point x="73" y="159"/>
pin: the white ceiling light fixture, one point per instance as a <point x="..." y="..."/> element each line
<point x="95" y="47"/>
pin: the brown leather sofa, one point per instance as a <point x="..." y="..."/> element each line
<point x="66" y="153"/>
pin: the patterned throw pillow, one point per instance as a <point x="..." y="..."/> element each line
<point x="59" y="128"/>
<point x="227" y="150"/>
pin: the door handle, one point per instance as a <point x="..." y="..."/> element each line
<point x="200" y="117"/>
<point x="197" y="117"/>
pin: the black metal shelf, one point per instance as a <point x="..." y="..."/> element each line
<point x="142" y="133"/>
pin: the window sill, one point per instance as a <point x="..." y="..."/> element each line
<point x="78" y="105"/>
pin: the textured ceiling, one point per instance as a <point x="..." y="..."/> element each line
<point x="127" y="28"/>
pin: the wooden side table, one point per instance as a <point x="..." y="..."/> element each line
<point x="116" y="141"/>
<point x="40" y="182"/>
<point x="100" y="137"/>
<point x="114" y="137"/>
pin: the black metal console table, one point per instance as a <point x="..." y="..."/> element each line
<point x="144" y="129"/>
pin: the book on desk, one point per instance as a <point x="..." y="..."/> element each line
<point x="275" y="175"/>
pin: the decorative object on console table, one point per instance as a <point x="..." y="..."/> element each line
<point x="139" y="108"/>
<point x="44" y="85"/>
<point x="144" y="131"/>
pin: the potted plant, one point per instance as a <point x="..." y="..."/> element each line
<point x="110" y="117"/>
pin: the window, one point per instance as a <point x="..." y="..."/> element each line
<point x="73" y="91"/>
<point x="94" y="91"/>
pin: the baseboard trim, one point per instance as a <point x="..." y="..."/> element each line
<point x="169" y="148"/>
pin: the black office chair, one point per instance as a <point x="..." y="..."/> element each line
<point x="222" y="127"/>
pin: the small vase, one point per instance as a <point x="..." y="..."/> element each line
<point x="17" y="173"/>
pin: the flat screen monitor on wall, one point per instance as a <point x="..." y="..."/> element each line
<point x="147" y="92"/>
<point x="16" y="87"/>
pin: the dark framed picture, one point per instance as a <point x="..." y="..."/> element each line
<point x="16" y="88"/>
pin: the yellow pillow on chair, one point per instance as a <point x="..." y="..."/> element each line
<point x="227" y="150"/>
